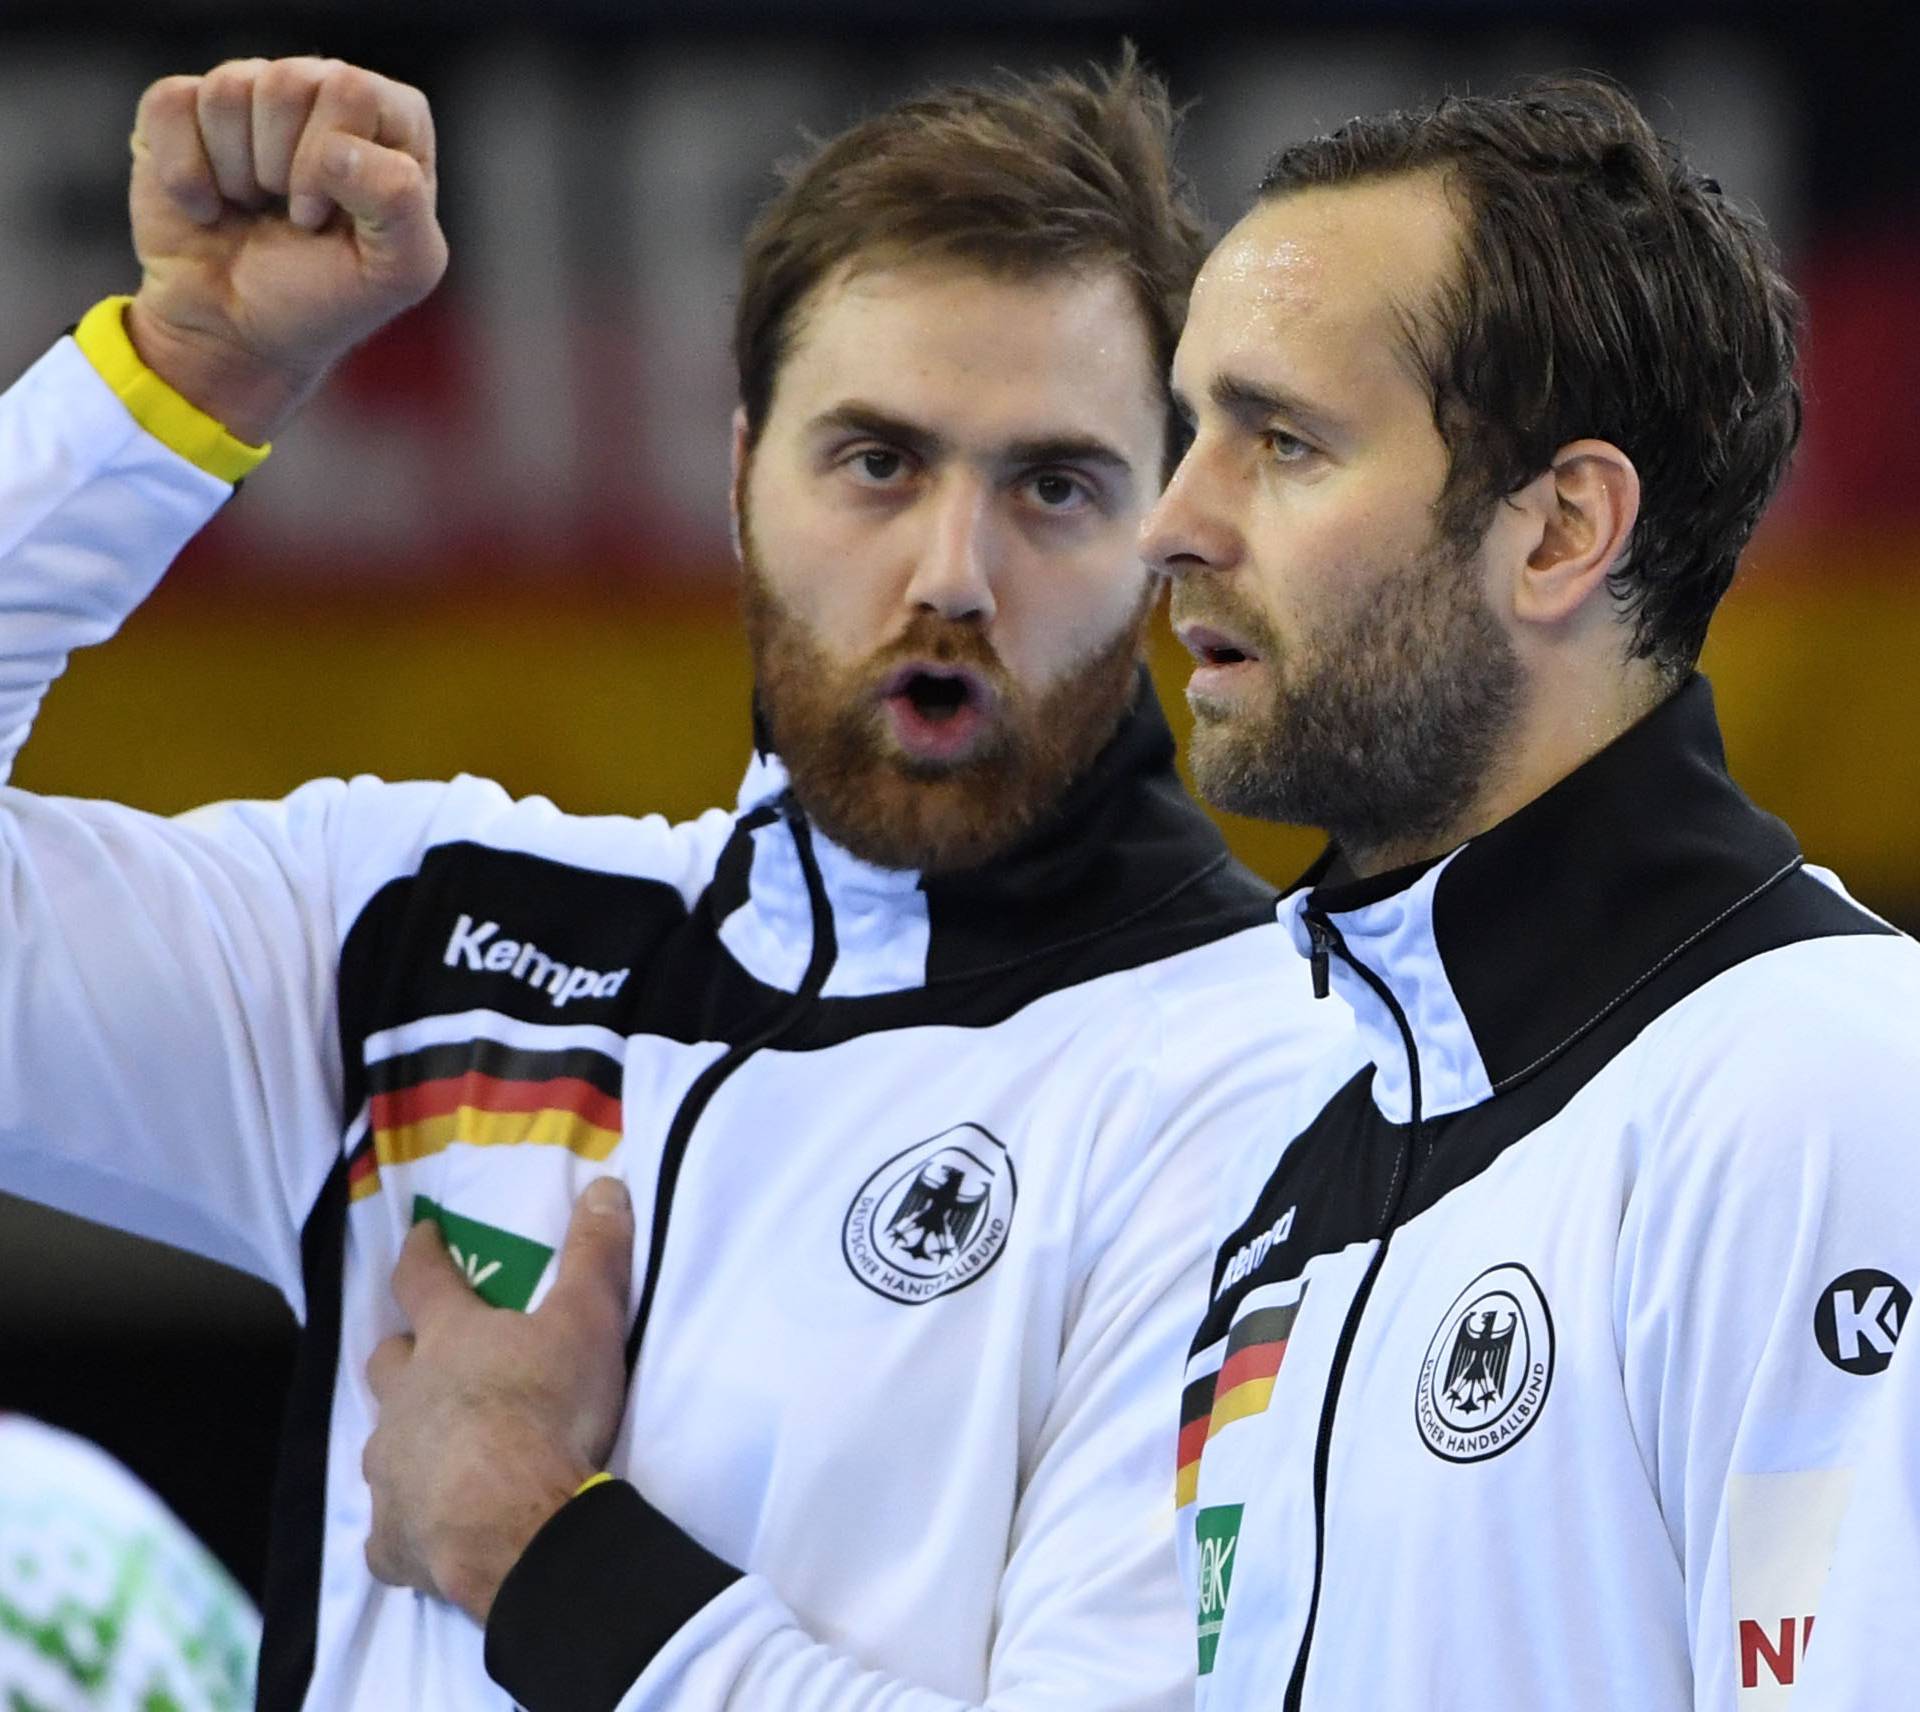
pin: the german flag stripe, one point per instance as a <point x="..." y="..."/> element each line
<point x="1250" y="1398"/>
<point x="363" y="1173"/>
<point x="1196" y="1402"/>
<point x="474" y="1127"/>
<point x="1251" y="1365"/>
<point x="1186" y="1484"/>
<point x="1263" y="1325"/>
<point x="494" y="1059"/>
<point x="478" y="1091"/>
<point x="1242" y="1385"/>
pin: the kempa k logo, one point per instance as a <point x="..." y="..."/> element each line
<point x="1217" y="1536"/>
<point x="1858" y="1318"/>
<point x="503" y="1268"/>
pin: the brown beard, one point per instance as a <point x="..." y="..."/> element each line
<point x="830" y="729"/>
<point x="1382" y="730"/>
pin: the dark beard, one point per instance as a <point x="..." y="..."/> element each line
<point x="1384" y="729"/>
<point x="889" y="809"/>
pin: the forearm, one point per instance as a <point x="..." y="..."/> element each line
<point x="92" y="511"/>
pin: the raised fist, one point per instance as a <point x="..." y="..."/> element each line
<point x="283" y="210"/>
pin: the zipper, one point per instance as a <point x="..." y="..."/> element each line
<point x="1327" y="943"/>
<point x="1320" y="935"/>
<point x="704" y="1086"/>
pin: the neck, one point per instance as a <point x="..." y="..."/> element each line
<point x="1557" y="730"/>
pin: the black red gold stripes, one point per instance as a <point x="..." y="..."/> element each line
<point x="1240" y="1386"/>
<point x="484" y="1093"/>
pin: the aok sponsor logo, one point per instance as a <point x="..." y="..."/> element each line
<point x="503" y="1267"/>
<point x="1216" y="1539"/>
<point x="933" y="1218"/>
<point x="1488" y="1367"/>
<point x="474" y="945"/>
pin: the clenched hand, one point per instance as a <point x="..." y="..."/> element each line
<point x="490" y="1419"/>
<point x="282" y="211"/>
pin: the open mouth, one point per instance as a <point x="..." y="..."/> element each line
<point x="1212" y="647"/>
<point x="936" y="693"/>
<point x="937" y="712"/>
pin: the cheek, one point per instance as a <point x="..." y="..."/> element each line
<point x="830" y="578"/>
<point x="1052" y="618"/>
<point x="1328" y="546"/>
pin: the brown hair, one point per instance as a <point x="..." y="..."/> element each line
<point x="1605" y="289"/>
<point x="1023" y="177"/>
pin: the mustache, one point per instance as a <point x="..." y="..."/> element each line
<point x="1222" y="611"/>
<point x="942" y="642"/>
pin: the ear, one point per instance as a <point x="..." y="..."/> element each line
<point x="740" y="461"/>
<point x="1578" y="516"/>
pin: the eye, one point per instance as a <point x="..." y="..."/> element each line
<point x="878" y="464"/>
<point x="1056" y="490"/>
<point x="1286" y="448"/>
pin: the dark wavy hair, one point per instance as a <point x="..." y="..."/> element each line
<point x="1605" y="290"/>
<point x="1025" y="177"/>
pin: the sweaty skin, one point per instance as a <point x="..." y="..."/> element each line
<point x="1309" y="497"/>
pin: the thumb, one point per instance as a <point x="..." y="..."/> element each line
<point x="596" y="1259"/>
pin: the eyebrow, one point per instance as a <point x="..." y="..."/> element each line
<point x="860" y="418"/>
<point x="1251" y="403"/>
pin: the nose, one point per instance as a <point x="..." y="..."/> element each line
<point x="954" y="572"/>
<point x="1189" y="528"/>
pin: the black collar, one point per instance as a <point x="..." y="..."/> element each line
<point x="1505" y="952"/>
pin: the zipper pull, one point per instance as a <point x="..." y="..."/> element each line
<point x="1321" y="934"/>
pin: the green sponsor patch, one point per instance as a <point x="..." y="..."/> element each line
<point x="502" y="1268"/>
<point x="1218" y="1533"/>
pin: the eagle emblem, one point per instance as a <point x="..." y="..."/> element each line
<point x="934" y="1217"/>
<point x="1477" y="1368"/>
<point x="939" y="1213"/>
<point x="1488" y="1367"/>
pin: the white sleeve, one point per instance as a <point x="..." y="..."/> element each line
<point x="168" y="1060"/>
<point x="1764" y="1256"/>
<point x="1865" y="1656"/>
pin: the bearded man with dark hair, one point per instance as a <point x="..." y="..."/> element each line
<point x="918" y="1066"/>
<point x="1548" y="1322"/>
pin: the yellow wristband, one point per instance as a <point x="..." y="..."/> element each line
<point x="178" y="425"/>
<point x="591" y="1482"/>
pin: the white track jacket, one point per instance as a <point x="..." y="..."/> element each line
<point x="1547" y="1358"/>
<point x="922" y="1167"/>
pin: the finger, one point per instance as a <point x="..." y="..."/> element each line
<point x="596" y="1259"/>
<point x="425" y="1280"/>
<point x="387" y="1363"/>
<point x="225" y="111"/>
<point x="283" y="97"/>
<point x="360" y="104"/>
<point x="166" y="137"/>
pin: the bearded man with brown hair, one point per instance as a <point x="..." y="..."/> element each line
<point x="918" y="1067"/>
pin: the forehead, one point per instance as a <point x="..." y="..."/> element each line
<point x="1322" y="284"/>
<point x="978" y="356"/>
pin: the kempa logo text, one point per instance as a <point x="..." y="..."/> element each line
<point x="473" y="946"/>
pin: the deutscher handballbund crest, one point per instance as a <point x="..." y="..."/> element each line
<point x="932" y="1218"/>
<point x="1488" y="1366"/>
